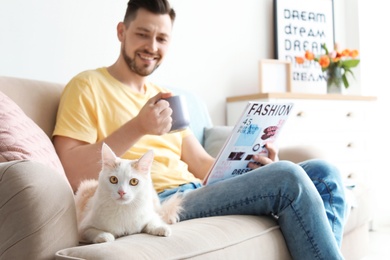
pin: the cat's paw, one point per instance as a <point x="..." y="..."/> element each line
<point x="164" y="231"/>
<point x="104" y="237"/>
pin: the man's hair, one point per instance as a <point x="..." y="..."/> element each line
<point x="153" y="6"/>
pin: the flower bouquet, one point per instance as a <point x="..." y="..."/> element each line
<point x="336" y="64"/>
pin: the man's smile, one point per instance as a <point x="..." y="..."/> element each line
<point x="148" y="57"/>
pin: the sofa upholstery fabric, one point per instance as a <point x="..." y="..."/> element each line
<point x="208" y="238"/>
<point x="37" y="212"/>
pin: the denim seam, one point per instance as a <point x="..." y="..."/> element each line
<point x="309" y="237"/>
<point x="331" y="202"/>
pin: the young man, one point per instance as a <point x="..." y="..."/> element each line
<point x="118" y="106"/>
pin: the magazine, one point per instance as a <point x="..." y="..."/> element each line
<point x="260" y="123"/>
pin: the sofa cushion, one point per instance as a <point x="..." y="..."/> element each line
<point x="215" y="137"/>
<point x="21" y="138"/>
<point x="227" y="237"/>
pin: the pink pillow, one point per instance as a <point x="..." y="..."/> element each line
<point x="21" y="138"/>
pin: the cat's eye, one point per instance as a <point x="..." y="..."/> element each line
<point x="113" y="180"/>
<point x="133" y="182"/>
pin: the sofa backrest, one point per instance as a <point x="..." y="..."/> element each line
<point x="38" y="99"/>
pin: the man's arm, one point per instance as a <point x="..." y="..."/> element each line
<point x="81" y="160"/>
<point x="198" y="160"/>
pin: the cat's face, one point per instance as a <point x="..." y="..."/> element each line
<point x="123" y="180"/>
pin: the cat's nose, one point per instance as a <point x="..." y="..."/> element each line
<point x="121" y="193"/>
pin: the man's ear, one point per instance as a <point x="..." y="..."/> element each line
<point x="120" y="30"/>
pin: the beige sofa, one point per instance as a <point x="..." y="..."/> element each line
<point x="38" y="221"/>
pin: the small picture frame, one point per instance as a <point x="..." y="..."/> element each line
<point x="274" y="76"/>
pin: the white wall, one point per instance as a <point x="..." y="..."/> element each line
<point x="215" y="49"/>
<point x="53" y="40"/>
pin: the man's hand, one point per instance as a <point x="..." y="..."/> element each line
<point x="262" y="160"/>
<point x="155" y="116"/>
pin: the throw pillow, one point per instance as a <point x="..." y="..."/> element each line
<point x="21" y="138"/>
<point x="215" y="137"/>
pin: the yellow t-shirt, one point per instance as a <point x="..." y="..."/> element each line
<point x="94" y="104"/>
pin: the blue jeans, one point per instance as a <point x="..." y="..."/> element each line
<point x="306" y="199"/>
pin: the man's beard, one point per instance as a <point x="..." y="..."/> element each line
<point x="131" y="64"/>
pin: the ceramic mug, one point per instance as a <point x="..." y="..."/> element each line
<point x="180" y="115"/>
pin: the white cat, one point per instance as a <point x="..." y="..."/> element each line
<point x="123" y="201"/>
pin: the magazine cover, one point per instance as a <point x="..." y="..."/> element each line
<point x="260" y="123"/>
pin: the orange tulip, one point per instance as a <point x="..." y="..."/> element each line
<point x="354" y="53"/>
<point x="345" y="53"/>
<point x="299" y="60"/>
<point x="309" y="55"/>
<point x="324" y="61"/>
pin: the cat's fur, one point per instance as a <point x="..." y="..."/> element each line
<point x="123" y="201"/>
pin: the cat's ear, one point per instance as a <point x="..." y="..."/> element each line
<point x="108" y="156"/>
<point x="145" y="162"/>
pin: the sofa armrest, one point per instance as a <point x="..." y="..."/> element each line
<point x="298" y="154"/>
<point x="37" y="211"/>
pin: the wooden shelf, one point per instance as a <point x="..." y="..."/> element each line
<point x="299" y="96"/>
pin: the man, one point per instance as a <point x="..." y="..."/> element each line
<point x="118" y="106"/>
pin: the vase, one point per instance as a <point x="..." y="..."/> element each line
<point x="335" y="84"/>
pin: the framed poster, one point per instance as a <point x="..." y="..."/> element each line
<point x="274" y="76"/>
<point x="301" y="25"/>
